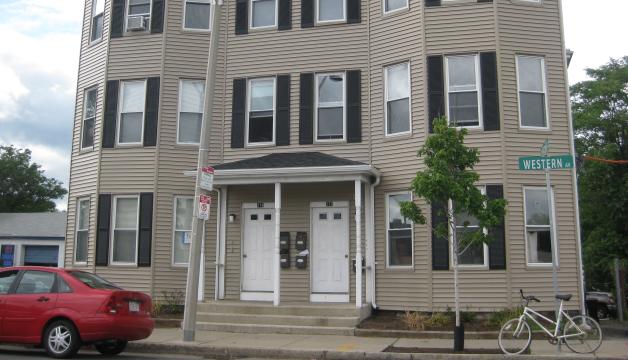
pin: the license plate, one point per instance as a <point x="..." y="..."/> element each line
<point x="134" y="306"/>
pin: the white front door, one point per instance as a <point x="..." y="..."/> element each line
<point x="257" y="251"/>
<point x="330" y="254"/>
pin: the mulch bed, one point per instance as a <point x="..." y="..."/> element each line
<point x="393" y="320"/>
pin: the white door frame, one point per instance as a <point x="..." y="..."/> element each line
<point x="251" y="295"/>
<point x="330" y="297"/>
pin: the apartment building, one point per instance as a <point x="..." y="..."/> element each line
<point x="320" y="108"/>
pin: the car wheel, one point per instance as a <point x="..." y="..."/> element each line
<point x="602" y="312"/>
<point x="110" y="347"/>
<point x="61" y="340"/>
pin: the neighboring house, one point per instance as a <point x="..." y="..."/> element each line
<point x="320" y="109"/>
<point x="36" y="239"/>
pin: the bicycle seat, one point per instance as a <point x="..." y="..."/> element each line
<point x="565" y="297"/>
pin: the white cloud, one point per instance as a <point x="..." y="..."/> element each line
<point x="11" y="90"/>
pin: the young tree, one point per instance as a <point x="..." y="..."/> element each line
<point x="23" y="185"/>
<point x="449" y="179"/>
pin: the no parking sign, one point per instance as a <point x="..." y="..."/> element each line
<point x="204" y="203"/>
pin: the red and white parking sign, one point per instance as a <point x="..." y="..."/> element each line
<point x="204" y="202"/>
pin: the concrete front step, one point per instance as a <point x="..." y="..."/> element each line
<point x="228" y="318"/>
<point x="275" y="329"/>
<point x="265" y="308"/>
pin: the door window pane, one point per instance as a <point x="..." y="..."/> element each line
<point x="197" y="14"/>
<point x="36" y="282"/>
<point x="263" y="13"/>
<point x="261" y="111"/>
<point x="329" y="10"/>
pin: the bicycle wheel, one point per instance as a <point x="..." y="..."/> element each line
<point x="515" y="337"/>
<point x="583" y="335"/>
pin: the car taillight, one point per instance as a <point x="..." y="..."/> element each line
<point x="112" y="305"/>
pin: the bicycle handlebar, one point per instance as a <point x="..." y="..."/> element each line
<point x="528" y="298"/>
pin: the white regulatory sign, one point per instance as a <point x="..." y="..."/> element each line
<point x="207" y="178"/>
<point x="204" y="202"/>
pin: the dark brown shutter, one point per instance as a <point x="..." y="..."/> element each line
<point x="440" y="245"/>
<point x="242" y="17"/>
<point x="103" y="223"/>
<point x="485" y="1"/>
<point x="354" y="11"/>
<point x="146" y="229"/>
<point x="307" y="13"/>
<point x="497" y="246"/>
<point x="435" y="89"/>
<point x="285" y="15"/>
<point x="490" y="91"/>
<point x="117" y="18"/>
<point x="238" y="113"/>
<point x="354" y="106"/>
<point x="152" y="111"/>
<point x="157" y="17"/>
<point x="430" y="3"/>
<point x="282" y="126"/>
<point x="306" y="109"/>
<point x="111" y="114"/>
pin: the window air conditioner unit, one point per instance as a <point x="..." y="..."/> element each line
<point x="136" y="23"/>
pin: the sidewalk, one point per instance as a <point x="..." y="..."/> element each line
<point x="279" y="346"/>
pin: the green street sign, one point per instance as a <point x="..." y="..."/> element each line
<point x="530" y="163"/>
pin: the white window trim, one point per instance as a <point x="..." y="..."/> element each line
<point x="273" y="26"/>
<point x="174" y="229"/>
<point x="91" y="88"/>
<point x="113" y="230"/>
<point x="478" y="88"/>
<point x="211" y="9"/>
<point x="181" y="81"/>
<point x="91" y="23"/>
<point x="387" y="203"/>
<point x="248" y="112"/>
<point x="149" y="14"/>
<point x="344" y="108"/>
<point x="552" y="229"/>
<point x="120" y="102"/>
<point x="484" y="266"/>
<point x="407" y="63"/>
<point x="334" y="21"/>
<point x="544" y="79"/>
<point x="77" y="229"/>
<point x="406" y="7"/>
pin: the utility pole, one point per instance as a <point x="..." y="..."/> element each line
<point x="191" y="293"/>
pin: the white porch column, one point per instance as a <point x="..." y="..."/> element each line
<point x="358" y="244"/>
<point x="277" y="260"/>
<point x="368" y="248"/>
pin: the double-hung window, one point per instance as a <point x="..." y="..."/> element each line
<point x="474" y="254"/>
<point x="89" y="118"/>
<point x="98" y="14"/>
<point x="331" y="10"/>
<point x="261" y="114"/>
<point x="197" y="14"/>
<point x="131" y="124"/>
<point x="82" y="230"/>
<point x="397" y="99"/>
<point x="138" y="12"/>
<point x="532" y="91"/>
<point x="394" y="5"/>
<point x="191" y="100"/>
<point x="463" y="84"/>
<point x="538" y="226"/>
<point x="125" y="230"/>
<point x="182" y="228"/>
<point x="263" y="14"/>
<point x="330" y="107"/>
<point x="398" y="232"/>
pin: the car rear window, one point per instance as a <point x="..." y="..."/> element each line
<point x="93" y="281"/>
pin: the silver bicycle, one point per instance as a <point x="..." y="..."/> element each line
<point x="580" y="333"/>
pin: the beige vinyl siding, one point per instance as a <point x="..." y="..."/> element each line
<point x="135" y="57"/>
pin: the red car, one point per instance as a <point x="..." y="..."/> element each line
<point x="62" y="309"/>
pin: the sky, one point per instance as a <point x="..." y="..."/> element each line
<point x="39" y="52"/>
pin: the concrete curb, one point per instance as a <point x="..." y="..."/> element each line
<point x="237" y="353"/>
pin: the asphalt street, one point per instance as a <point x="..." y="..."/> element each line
<point x="14" y="352"/>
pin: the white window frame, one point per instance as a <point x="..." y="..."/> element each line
<point x="334" y="21"/>
<point x="478" y="88"/>
<point x="113" y="230"/>
<point x="344" y="108"/>
<point x="484" y="266"/>
<point x="387" y="204"/>
<point x="274" y="25"/>
<point x="89" y="89"/>
<point x="181" y="81"/>
<point x="174" y="228"/>
<point x="546" y="98"/>
<point x="77" y="229"/>
<point x="120" y="104"/>
<point x="386" y="100"/>
<point x="406" y="7"/>
<point x="185" y="2"/>
<point x="93" y="16"/>
<point x="552" y="228"/>
<point x="149" y="14"/>
<point x="248" y="112"/>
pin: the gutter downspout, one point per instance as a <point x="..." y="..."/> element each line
<point x="371" y="230"/>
